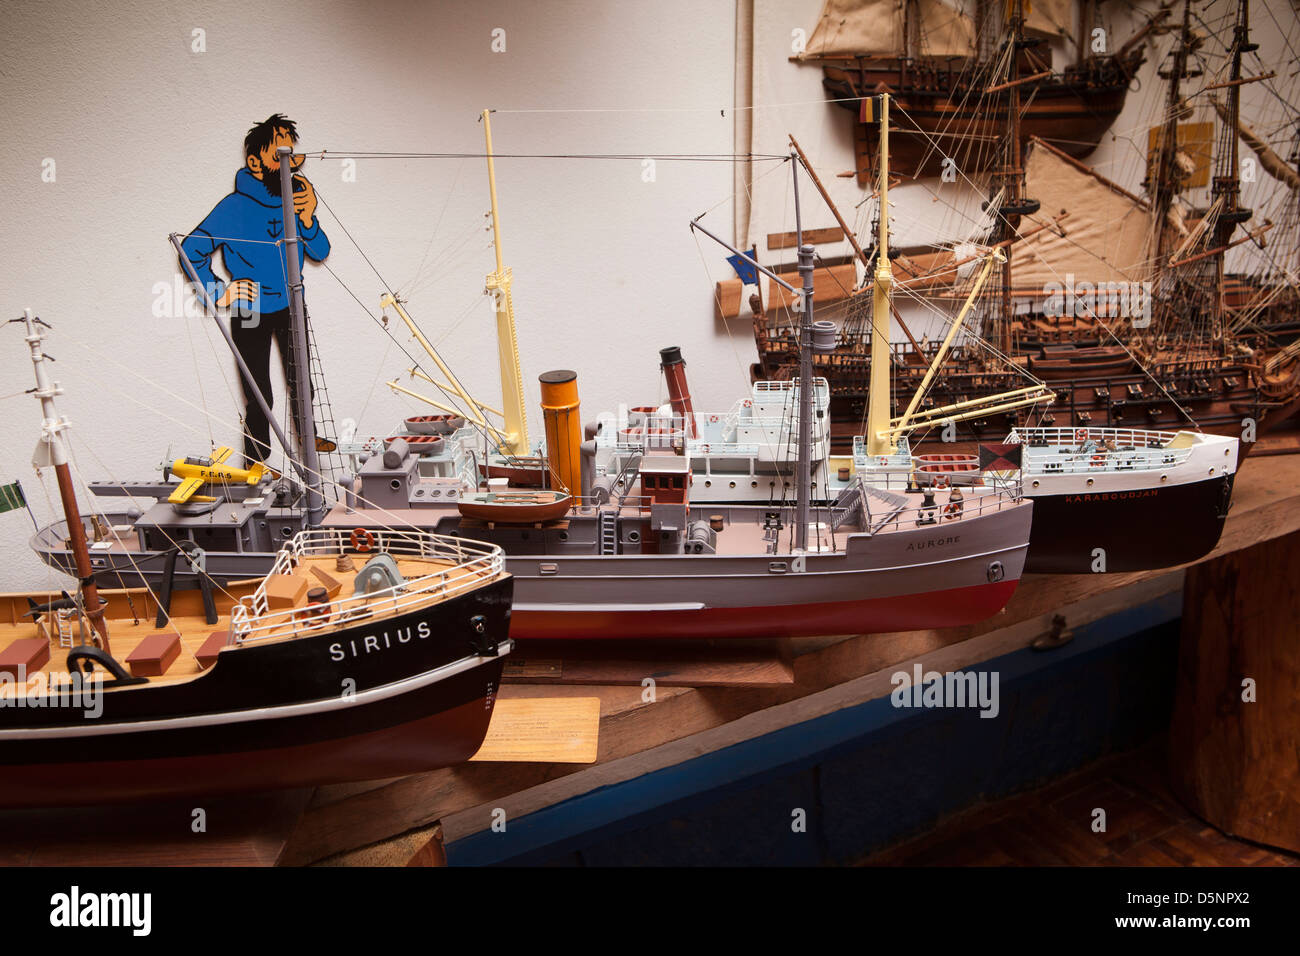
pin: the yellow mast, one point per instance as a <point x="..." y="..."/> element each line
<point x="878" y="439"/>
<point x="515" y="440"/>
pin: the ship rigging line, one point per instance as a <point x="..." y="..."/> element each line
<point x="633" y="157"/>
<point x="1039" y="256"/>
<point x="387" y="288"/>
<point x="399" y="524"/>
<point x="467" y="415"/>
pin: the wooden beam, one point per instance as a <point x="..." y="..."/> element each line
<point x="786" y="240"/>
<point x="1246" y="79"/>
<point x="1026" y="79"/>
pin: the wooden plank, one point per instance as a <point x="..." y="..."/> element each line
<point x="667" y="663"/>
<point x="830" y="284"/>
<point x="536" y="730"/>
<point x="788" y="240"/>
<point x="1232" y="759"/>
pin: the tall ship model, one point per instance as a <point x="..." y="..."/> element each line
<point x="356" y="657"/>
<point x="622" y="559"/>
<point x="1120" y="303"/>
<point x="945" y="61"/>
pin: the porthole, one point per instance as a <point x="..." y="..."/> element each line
<point x="1035" y="482"/>
<point x="634" y="536"/>
<point x="1090" y="482"/>
<point x="395" y="484"/>
<point x="733" y="484"/>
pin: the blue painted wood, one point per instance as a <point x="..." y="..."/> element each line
<point x="870" y="774"/>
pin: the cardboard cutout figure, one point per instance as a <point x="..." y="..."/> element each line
<point x="248" y="227"/>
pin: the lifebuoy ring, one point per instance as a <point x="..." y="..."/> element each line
<point x="704" y="449"/>
<point x="713" y="419"/>
<point x="362" y="540"/>
<point x="883" y="461"/>
<point x="747" y="403"/>
<point x="942" y="481"/>
<point x="1098" y="461"/>
<point x="952" y="510"/>
<point x="1081" y="435"/>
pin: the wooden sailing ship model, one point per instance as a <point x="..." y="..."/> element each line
<point x="945" y="63"/>
<point x="1206" y="347"/>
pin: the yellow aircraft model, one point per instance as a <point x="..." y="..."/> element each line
<point x="197" y="472"/>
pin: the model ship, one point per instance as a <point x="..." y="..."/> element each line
<point x="1208" y="348"/>
<point x="631" y="556"/>
<point x="358" y="656"/>
<point x="943" y="63"/>
<point x="1105" y="499"/>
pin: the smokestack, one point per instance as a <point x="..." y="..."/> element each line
<point x="563" y="428"/>
<point x="679" y="393"/>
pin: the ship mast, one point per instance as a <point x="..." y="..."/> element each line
<point x="1013" y="204"/>
<point x="878" y="407"/>
<point x="1166" y="183"/>
<point x="52" y="451"/>
<point x="300" y="387"/>
<point x="1226" y="187"/>
<point x="515" y="441"/>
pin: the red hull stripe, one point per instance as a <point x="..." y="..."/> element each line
<point x="910" y="612"/>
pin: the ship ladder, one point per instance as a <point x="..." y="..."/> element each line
<point x="608" y="524"/>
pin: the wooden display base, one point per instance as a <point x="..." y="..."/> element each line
<point x="1236" y="726"/>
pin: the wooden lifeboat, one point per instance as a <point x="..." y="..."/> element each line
<point x="516" y="506"/>
<point x="434" y="424"/>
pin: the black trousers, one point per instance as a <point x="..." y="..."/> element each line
<point x="253" y="338"/>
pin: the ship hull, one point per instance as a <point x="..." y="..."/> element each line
<point x="317" y="709"/>
<point x="913" y="577"/>
<point x="1135" y="529"/>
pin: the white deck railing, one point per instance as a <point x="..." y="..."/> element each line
<point x="473" y="564"/>
<point x="1082" y="450"/>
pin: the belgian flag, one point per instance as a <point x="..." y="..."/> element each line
<point x="11" y="497"/>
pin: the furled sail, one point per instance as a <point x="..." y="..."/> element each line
<point x="877" y="27"/>
<point x="1052" y="18"/>
<point x="1107" y="235"/>
<point x="946" y="30"/>
<point x="857" y="27"/>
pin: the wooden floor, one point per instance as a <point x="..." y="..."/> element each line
<point x="1052" y="826"/>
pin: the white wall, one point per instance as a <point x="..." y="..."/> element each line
<point x="146" y="137"/>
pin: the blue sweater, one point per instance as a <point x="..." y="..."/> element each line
<point x="246" y="226"/>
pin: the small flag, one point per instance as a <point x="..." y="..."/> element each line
<point x="11" y="497"/>
<point x="748" y="274"/>
<point x="869" y="112"/>
<point x="1000" y="457"/>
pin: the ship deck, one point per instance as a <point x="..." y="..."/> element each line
<point x="132" y="617"/>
